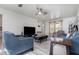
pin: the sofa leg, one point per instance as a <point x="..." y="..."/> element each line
<point x="32" y="49"/>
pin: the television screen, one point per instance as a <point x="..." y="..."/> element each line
<point x="29" y="31"/>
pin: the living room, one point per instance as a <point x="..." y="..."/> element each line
<point x="44" y="19"/>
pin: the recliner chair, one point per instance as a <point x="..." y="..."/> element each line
<point x="74" y="48"/>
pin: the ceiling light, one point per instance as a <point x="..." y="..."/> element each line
<point x="39" y="13"/>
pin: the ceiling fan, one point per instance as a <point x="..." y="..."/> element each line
<point x="41" y="11"/>
<point x="20" y="5"/>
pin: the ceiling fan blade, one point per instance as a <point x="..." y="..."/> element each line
<point x="40" y="10"/>
<point x="45" y="13"/>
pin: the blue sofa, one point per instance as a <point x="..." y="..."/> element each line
<point x="74" y="48"/>
<point x="14" y="45"/>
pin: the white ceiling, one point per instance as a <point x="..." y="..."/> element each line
<point x="54" y="10"/>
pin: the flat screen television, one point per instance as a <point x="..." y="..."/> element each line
<point x="29" y="31"/>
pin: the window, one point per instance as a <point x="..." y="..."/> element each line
<point x="55" y="26"/>
<point x="58" y="26"/>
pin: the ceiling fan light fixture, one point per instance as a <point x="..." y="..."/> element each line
<point x="39" y="13"/>
<point x="20" y="5"/>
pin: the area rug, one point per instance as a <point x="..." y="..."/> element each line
<point x="44" y="49"/>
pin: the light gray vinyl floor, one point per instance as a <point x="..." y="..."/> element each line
<point x="44" y="49"/>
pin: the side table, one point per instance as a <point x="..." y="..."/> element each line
<point x="66" y="42"/>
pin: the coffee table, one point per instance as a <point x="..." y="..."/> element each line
<point x="40" y="38"/>
<point x="66" y="42"/>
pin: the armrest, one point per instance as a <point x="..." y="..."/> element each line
<point x="64" y="42"/>
<point x="19" y="35"/>
<point x="75" y="39"/>
<point x="24" y="39"/>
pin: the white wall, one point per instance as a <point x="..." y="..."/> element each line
<point x="15" y="22"/>
<point x="66" y="22"/>
<point x="46" y="28"/>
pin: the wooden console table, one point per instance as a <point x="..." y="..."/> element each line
<point x="66" y="42"/>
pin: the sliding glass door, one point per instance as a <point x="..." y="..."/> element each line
<point x="55" y="26"/>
